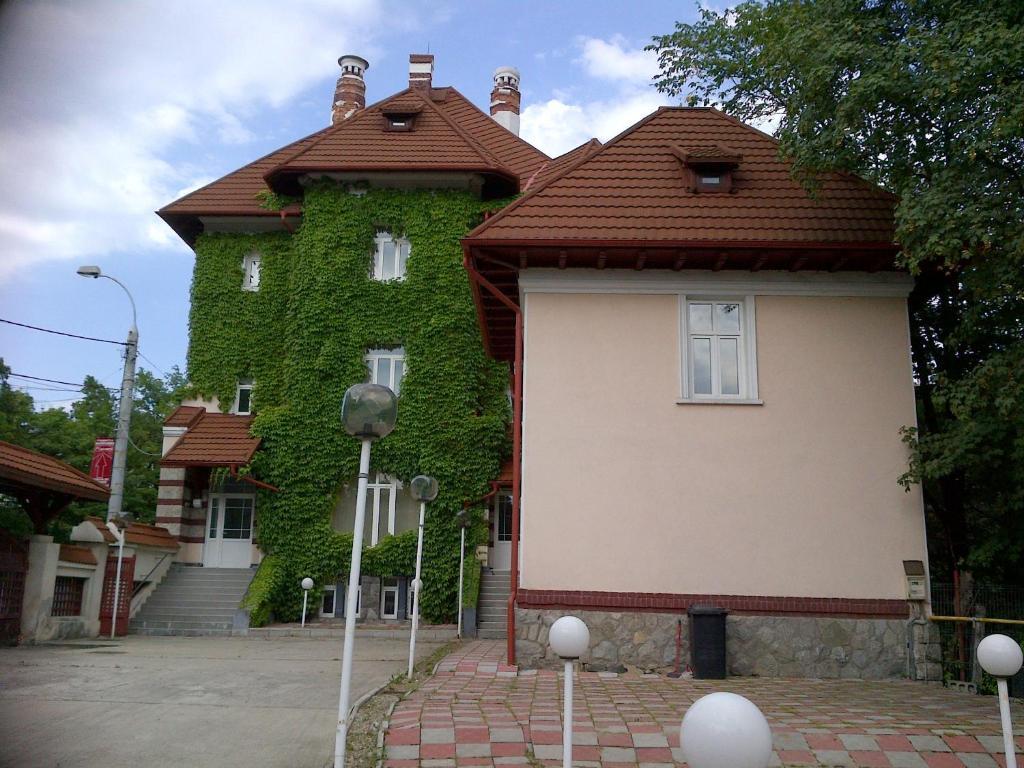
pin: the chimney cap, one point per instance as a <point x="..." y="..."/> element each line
<point x="506" y="73"/>
<point x="421" y="58"/>
<point x="350" y="59"/>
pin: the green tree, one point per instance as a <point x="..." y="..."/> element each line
<point x="926" y="98"/>
<point x="70" y="434"/>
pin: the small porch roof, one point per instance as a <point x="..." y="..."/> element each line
<point x="211" y="439"/>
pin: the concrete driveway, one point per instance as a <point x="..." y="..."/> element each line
<point x="182" y="701"/>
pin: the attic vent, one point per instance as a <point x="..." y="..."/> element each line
<point x="708" y="169"/>
<point x="400" y="118"/>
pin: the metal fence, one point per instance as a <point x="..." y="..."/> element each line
<point x="960" y="639"/>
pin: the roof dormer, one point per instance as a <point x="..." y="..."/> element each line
<point x="709" y="168"/>
<point x="401" y="116"/>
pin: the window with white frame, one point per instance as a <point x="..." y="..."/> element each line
<point x="719" y="362"/>
<point x="327" y="601"/>
<point x="387" y="367"/>
<point x="503" y="517"/>
<point x="251" y="271"/>
<point x="390" y="256"/>
<point x="381" y="498"/>
<point x="243" y="398"/>
<point x="389" y="598"/>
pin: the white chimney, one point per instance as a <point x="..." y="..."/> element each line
<point x="505" y="98"/>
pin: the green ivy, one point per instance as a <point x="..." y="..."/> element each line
<point x="302" y="338"/>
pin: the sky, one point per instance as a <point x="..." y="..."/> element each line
<point x="112" y="109"/>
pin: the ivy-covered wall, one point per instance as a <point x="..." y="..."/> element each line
<point x="302" y="338"/>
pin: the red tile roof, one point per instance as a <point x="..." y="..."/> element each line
<point x="633" y="190"/>
<point x="22" y="467"/>
<point x="450" y="134"/>
<point x="140" y="534"/>
<point x="560" y="164"/>
<point x="73" y="553"/>
<point x="214" y="440"/>
<point x="184" y="416"/>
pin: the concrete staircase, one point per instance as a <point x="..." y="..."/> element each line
<point x="193" y="601"/>
<point x="492" y="609"/>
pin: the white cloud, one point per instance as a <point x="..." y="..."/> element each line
<point x="100" y="98"/>
<point x="613" y="60"/>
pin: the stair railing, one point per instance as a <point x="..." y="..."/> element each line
<point x="141" y="585"/>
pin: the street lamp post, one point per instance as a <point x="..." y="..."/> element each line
<point x="306" y="584"/>
<point x="423" y="489"/>
<point x="118" y="535"/>
<point x="369" y="412"/>
<point x="569" y="638"/>
<point x="464" y="522"/>
<point x="1001" y="657"/>
<point x="124" y="408"/>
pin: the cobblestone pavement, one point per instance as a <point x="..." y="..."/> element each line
<point x="476" y="711"/>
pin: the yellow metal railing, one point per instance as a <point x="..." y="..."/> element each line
<point x="981" y="619"/>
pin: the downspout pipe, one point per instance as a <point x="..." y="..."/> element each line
<point x="517" y="446"/>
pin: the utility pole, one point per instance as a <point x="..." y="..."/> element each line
<point x="124" y="420"/>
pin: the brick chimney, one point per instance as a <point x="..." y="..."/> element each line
<point x="505" y="98"/>
<point x="350" y="92"/>
<point x="421" y="70"/>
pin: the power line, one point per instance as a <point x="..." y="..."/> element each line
<point x="158" y="368"/>
<point x="78" y="387"/>
<point x="60" y="333"/>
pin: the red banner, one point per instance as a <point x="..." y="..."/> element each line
<point x="102" y="460"/>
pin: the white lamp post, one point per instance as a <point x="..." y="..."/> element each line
<point x="423" y="489"/>
<point x="307" y="584"/>
<point x="725" y="730"/>
<point x="1001" y="657"/>
<point x="119" y="537"/>
<point x="464" y="522"/>
<point x="569" y="639"/>
<point x="369" y="412"/>
<point x="124" y="408"/>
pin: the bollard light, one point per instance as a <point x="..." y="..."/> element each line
<point x="423" y="489"/>
<point x="1001" y="657"/>
<point x="569" y="639"/>
<point x="306" y="584"/>
<point x="725" y="730"/>
<point x="369" y="412"/>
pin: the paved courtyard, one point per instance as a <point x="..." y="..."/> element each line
<point x="182" y="701"/>
<point x="478" y="712"/>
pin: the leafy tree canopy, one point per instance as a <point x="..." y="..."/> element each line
<point x="69" y="435"/>
<point x="926" y="98"/>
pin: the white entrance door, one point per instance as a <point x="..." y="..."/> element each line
<point x="228" y="532"/>
<point x="500" y="554"/>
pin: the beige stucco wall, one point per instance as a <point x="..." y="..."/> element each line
<point x="795" y="497"/>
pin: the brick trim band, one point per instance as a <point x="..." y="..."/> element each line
<point x="191" y="539"/>
<point x="170" y="502"/>
<point x="172" y="483"/>
<point x="664" y="602"/>
<point x="181" y="520"/>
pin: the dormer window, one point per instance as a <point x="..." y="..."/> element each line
<point x="401" y="115"/>
<point x="251" y="272"/>
<point x="708" y="169"/>
<point x="399" y="123"/>
<point x="390" y="257"/>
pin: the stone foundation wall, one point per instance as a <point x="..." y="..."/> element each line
<point x="767" y="646"/>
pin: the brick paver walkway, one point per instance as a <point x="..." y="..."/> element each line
<point x="478" y="712"/>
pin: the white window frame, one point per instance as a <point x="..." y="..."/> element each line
<point x="408" y="598"/>
<point x="394" y="354"/>
<point x="747" y="353"/>
<point x="400" y="266"/>
<point x="384" y="590"/>
<point x="333" y="589"/>
<point x="251" y="266"/>
<point x="248" y="384"/>
<point x="344" y="603"/>
<point x="374" y="491"/>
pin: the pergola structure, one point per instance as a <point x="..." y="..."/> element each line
<point x="43" y="485"/>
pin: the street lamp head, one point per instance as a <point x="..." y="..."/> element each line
<point x="369" y="411"/>
<point x="725" y="730"/>
<point x="423" y="488"/>
<point x="464" y="518"/>
<point x="89" y="270"/>
<point x="307" y="583"/>
<point x="569" y="637"/>
<point x="1000" y="656"/>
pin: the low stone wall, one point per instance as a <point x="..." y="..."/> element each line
<point x="767" y="646"/>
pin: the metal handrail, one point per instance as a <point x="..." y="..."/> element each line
<point x="145" y="579"/>
<point x="982" y="619"/>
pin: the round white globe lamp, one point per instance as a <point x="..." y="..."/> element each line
<point x="1001" y="657"/>
<point x="725" y="730"/>
<point x="306" y="584"/>
<point x="569" y="639"/>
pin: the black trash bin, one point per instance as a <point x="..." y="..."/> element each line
<point x="707" y="642"/>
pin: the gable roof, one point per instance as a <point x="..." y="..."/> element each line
<point x="25" y="468"/>
<point x="212" y="440"/>
<point x="633" y="189"/>
<point x="141" y="534"/>
<point x="450" y="134"/>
